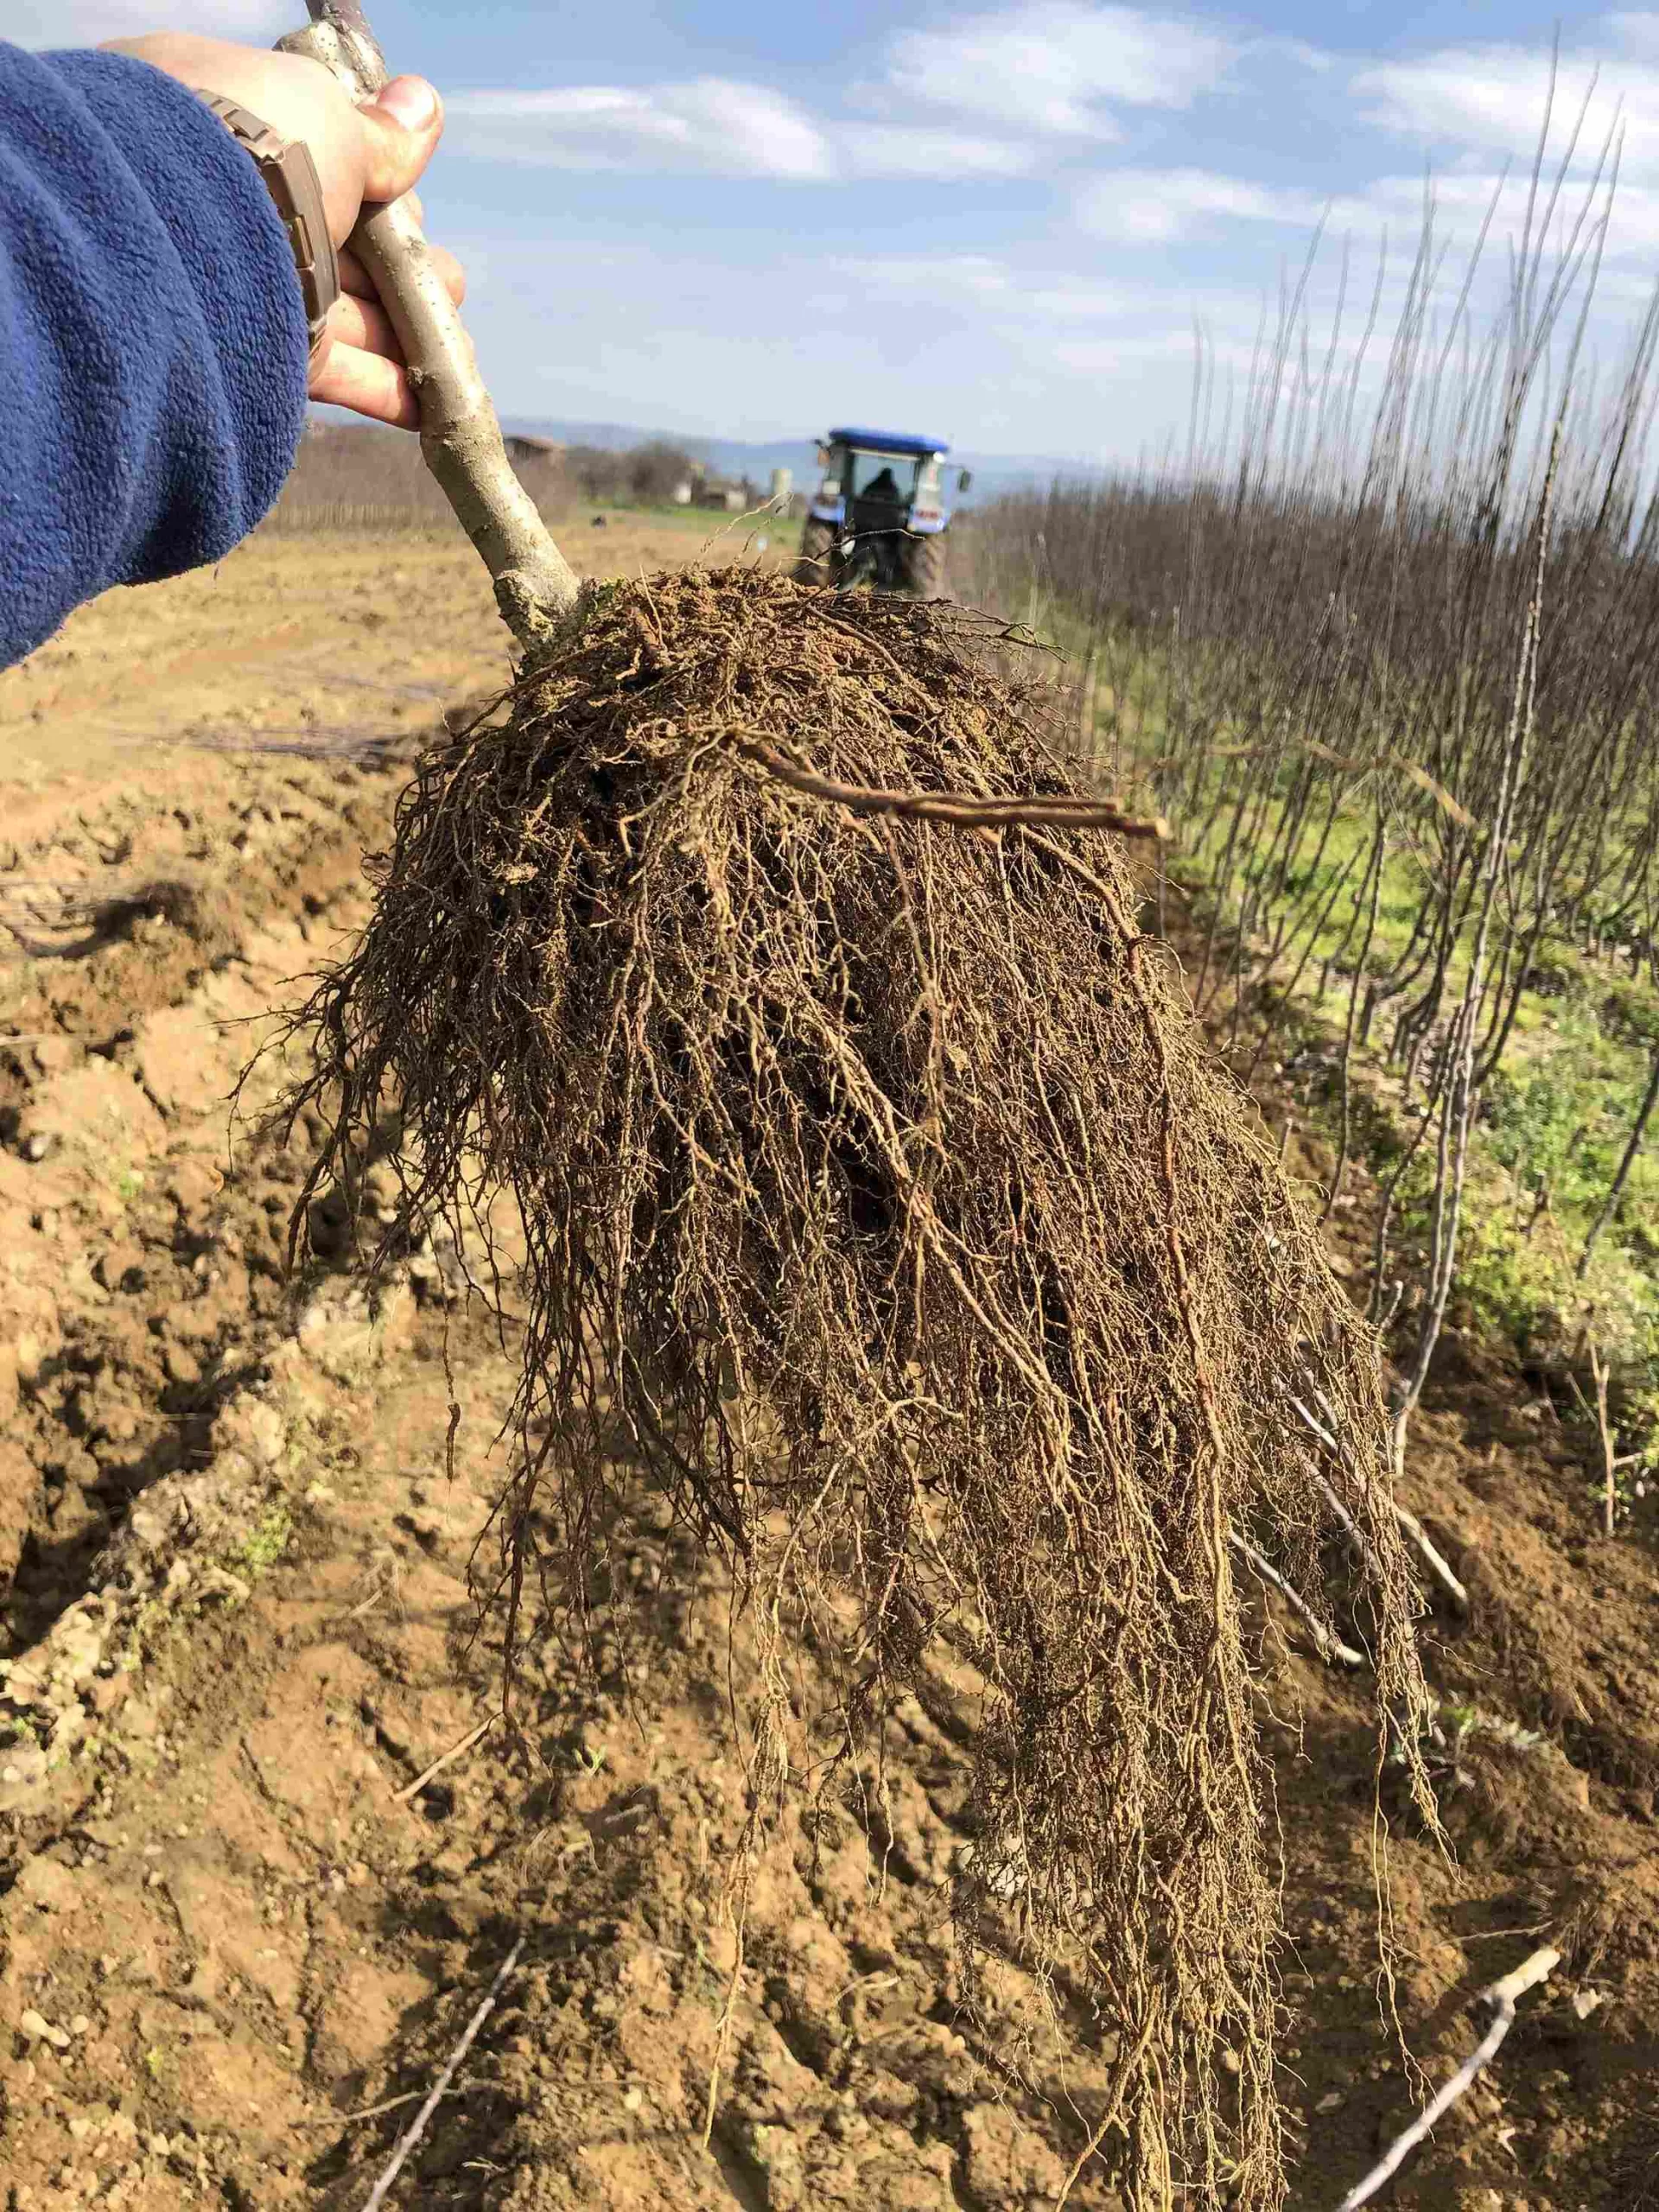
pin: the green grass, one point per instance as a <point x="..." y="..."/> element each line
<point x="703" y="519"/>
<point x="261" y="1548"/>
<point x="1556" y="1115"/>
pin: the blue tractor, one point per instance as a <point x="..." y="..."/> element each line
<point x="879" y="516"/>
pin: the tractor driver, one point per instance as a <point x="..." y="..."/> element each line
<point x="156" y="350"/>
<point x="882" y="490"/>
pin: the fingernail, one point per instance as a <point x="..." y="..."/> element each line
<point x="411" y="101"/>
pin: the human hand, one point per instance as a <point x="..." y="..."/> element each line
<point x="363" y="154"/>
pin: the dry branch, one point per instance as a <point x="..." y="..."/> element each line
<point x="435" y="2096"/>
<point x="1421" y="1542"/>
<point x="445" y="1759"/>
<point x="1500" y="1997"/>
<point x="1330" y="1647"/>
<point x="961" y="810"/>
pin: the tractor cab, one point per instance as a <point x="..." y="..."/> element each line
<point x="880" y="497"/>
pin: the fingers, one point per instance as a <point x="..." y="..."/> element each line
<point x="365" y="325"/>
<point x="401" y="128"/>
<point x="353" y="278"/>
<point x="368" y="382"/>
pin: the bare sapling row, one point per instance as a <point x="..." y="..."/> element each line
<point x="1382" y="645"/>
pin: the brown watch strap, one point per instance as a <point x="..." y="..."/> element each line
<point x="291" y="178"/>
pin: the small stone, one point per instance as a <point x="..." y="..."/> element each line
<point x="34" y="2025"/>
<point x="79" y="2024"/>
<point x="121" y="1268"/>
<point x="633" y="2101"/>
<point x="36" y="1145"/>
<point x="48" y="1886"/>
<point x="158" y="2146"/>
<point x="80" y="2129"/>
<point x="267" y="1434"/>
<point x="1332" y="2100"/>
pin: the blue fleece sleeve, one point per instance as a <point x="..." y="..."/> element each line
<point x="152" y="337"/>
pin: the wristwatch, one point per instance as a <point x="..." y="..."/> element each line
<point x="291" y="179"/>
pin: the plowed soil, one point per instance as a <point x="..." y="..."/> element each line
<point x="244" y="1923"/>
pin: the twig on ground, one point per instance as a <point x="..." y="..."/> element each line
<point x="1500" y="1997"/>
<point x="1423" y="1544"/>
<point x="1330" y="1647"/>
<point x="333" y="674"/>
<point x="414" y="1788"/>
<point x="307" y="743"/>
<point x="1419" y="1537"/>
<point x="375" y="2112"/>
<point x="416" y="2127"/>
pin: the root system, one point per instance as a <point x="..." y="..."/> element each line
<point x="876" y="1185"/>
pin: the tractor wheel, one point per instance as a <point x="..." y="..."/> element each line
<point x="816" y="564"/>
<point x="925" y="565"/>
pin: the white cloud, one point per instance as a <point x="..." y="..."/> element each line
<point x="929" y="156"/>
<point x="975" y="280"/>
<point x="1050" y="65"/>
<point x="974" y="277"/>
<point x="1160" y="206"/>
<point x="86" y="23"/>
<point x="711" y="124"/>
<point x="1636" y="34"/>
<point x="1625" y="227"/>
<point x="1110" y="356"/>
<point x="1083" y="303"/>
<point x="716" y="128"/>
<point x="1494" y="98"/>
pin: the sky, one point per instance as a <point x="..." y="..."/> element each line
<point x="1000" y="225"/>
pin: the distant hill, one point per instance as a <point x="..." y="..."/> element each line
<point x="993" y="473"/>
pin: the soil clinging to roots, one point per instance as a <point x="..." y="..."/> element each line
<point x="878" y="1189"/>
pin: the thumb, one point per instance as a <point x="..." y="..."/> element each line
<point x="400" y="129"/>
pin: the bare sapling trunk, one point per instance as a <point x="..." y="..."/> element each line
<point x="461" y="437"/>
<point x="1461" y="1092"/>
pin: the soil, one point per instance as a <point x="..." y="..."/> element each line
<point x="244" y="1925"/>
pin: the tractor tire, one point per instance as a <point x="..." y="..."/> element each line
<point x="925" y="565"/>
<point x="816" y="564"/>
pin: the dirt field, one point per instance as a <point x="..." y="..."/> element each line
<point x="242" y="1925"/>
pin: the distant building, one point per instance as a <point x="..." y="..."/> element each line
<point x="538" y="463"/>
<point x="720" y="494"/>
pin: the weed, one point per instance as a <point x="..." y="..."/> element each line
<point x="261" y="1548"/>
